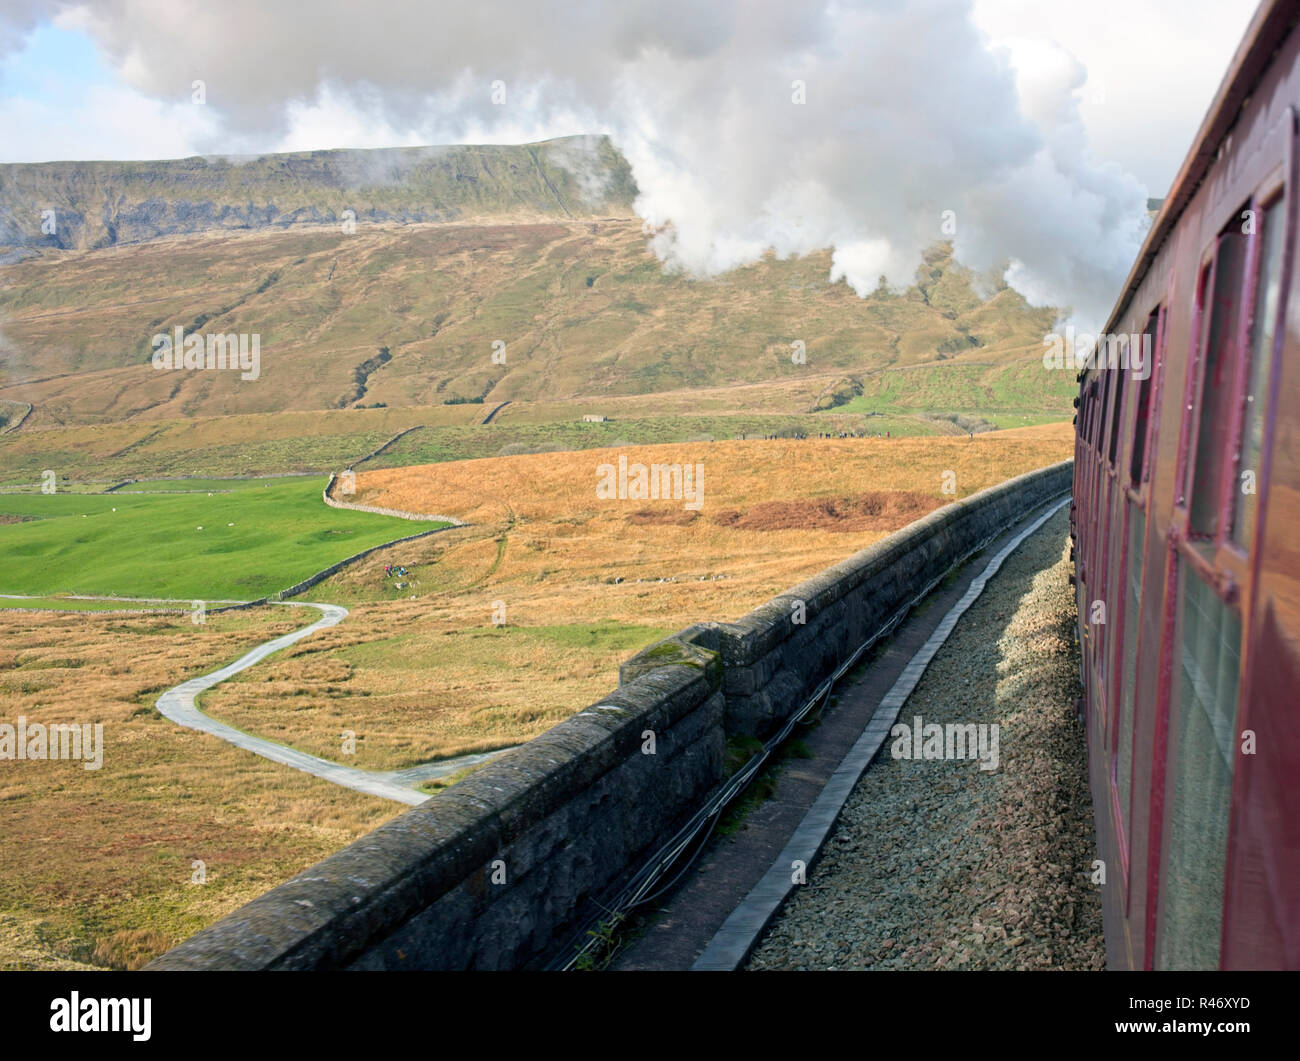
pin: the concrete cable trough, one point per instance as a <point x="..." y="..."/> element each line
<point x="741" y="930"/>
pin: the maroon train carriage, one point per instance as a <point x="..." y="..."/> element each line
<point x="1186" y="520"/>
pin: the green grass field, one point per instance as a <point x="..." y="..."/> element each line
<point x="75" y="604"/>
<point x="258" y="539"/>
<point x="195" y="486"/>
<point x="1015" y="394"/>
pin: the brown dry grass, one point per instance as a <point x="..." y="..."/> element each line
<point x="584" y="582"/>
<point x="95" y="865"/>
<point x="559" y="487"/>
<point x="879" y="510"/>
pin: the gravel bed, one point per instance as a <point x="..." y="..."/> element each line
<point x="937" y="864"/>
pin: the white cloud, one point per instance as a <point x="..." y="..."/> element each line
<point x="1152" y="68"/>
<point x="1033" y="143"/>
<point x="110" y="123"/>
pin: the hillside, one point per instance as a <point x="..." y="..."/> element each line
<point x="506" y="283"/>
<point x="102" y="204"/>
<point x="412" y="316"/>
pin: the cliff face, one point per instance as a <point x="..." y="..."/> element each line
<point x="85" y="205"/>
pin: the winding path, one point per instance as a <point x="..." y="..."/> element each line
<point x="177" y="704"/>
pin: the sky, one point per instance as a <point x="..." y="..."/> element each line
<point x="1038" y="127"/>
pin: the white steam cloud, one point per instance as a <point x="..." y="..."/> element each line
<point x="907" y="112"/>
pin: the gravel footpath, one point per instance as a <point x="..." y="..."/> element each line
<point x="937" y="864"/>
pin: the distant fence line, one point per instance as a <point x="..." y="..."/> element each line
<point x="117" y="487"/>
<point x="383" y="446"/>
<point x="385" y="511"/>
<point x="320" y="576"/>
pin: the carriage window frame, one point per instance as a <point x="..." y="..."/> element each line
<point x="1209" y="411"/>
<point x="1221" y="570"/>
<point x="1146" y="406"/>
<point x="1104" y="383"/>
<point x="1200" y="328"/>
<point x="1140" y="421"/>
<point x="1273" y="195"/>
<point x="1219" y="558"/>
<point x="1118" y="414"/>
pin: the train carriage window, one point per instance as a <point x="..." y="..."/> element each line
<point x="1263" y="329"/>
<point x="1132" y="607"/>
<point x="1117" y="412"/>
<point x="1200" y="785"/>
<point x="1138" y="459"/>
<point x="1215" y="398"/>
<point x="1105" y="408"/>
